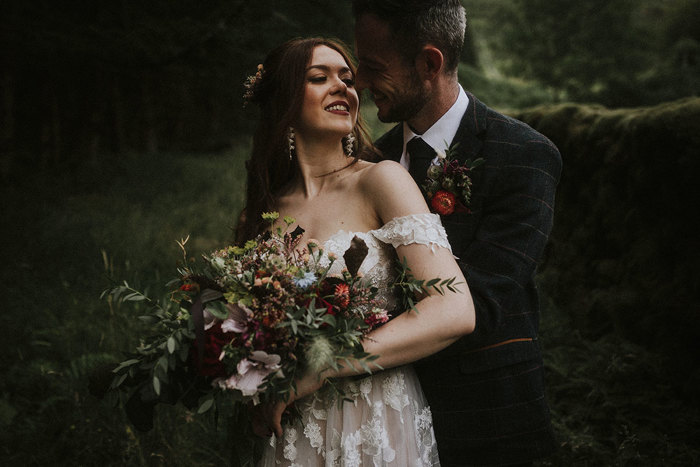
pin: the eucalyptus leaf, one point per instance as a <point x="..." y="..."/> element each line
<point x="171" y="344"/>
<point x="118" y="381"/>
<point x="156" y="385"/>
<point x="136" y="297"/>
<point x="163" y="363"/>
<point x="206" y="405"/>
<point x="125" y="364"/>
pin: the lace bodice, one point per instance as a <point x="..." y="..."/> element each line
<point x="384" y="419"/>
<point x="379" y="265"/>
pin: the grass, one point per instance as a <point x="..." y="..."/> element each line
<point x="70" y="234"/>
<point x="613" y="402"/>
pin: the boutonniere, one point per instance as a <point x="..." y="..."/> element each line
<point x="448" y="186"/>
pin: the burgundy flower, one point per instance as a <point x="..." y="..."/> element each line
<point x="214" y="341"/>
<point x="377" y="317"/>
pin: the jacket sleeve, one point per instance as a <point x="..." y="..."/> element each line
<point x="500" y="262"/>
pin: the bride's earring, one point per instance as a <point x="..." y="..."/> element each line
<point x="349" y="144"/>
<point x="290" y="142"/>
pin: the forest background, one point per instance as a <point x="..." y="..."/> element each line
<point x="123" y="131"/>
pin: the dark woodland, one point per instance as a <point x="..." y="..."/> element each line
<point x="122" y="130"/>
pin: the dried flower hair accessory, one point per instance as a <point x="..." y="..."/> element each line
<point x="250" y="83"/>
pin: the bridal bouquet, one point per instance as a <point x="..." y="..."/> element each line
<point x="246" y="324"/>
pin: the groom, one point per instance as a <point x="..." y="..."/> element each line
<point x="486" y="391"/>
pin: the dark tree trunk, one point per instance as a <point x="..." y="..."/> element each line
<point x="7" y="128"/>
<point x="50" y="127"/>
<point x="150" y="132"/>
<point x="120" y="142"/>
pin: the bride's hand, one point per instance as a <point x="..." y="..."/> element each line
<point x="272" y="412"/>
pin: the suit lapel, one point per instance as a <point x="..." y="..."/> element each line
<point x="391" y="144"/>
<point x="472" y="130"/>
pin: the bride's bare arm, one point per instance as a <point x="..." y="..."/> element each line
<point x="441" y="319"/>
<point x="411" y="336"/>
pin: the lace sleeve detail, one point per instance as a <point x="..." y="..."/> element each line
<point x="425" y="229"/>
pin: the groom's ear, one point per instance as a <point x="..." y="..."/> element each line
<point x="429" y="62"/>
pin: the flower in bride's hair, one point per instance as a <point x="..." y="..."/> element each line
<point x="250" y="84"/>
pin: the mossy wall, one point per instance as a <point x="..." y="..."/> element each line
<point x="625" y="251"/>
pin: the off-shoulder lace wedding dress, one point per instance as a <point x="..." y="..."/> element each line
<point x="386" y="421"/>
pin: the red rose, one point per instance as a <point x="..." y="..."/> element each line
<point x="443" y="203"/>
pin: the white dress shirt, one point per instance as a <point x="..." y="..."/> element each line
<point x="440" y="135"/>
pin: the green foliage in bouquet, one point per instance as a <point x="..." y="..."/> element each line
<point x="242" y="327"/>
<point x="410" y="289"/>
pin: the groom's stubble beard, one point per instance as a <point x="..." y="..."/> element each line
<point x="407" y="101"/>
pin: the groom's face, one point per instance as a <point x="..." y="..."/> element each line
<point x="393" y="82"/>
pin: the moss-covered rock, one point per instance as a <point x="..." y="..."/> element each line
<point x="625" y="251"/>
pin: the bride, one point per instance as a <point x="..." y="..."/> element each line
<point x="308" y="163"/>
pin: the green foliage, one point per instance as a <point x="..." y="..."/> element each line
<point x="613" y="402"/>
<point x="628" y="264"/>
<point x="68" y="235"/>
<point x="410" y="289"/>
<point x="143" y="76"/>
<point x="620" y="280"/>
<point x="618" y="52"/>
<point x="502" y="92"/>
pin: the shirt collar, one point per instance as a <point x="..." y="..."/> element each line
<point x="440" y="135"/>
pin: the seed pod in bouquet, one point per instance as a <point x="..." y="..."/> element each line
<point x="355" y="255"/>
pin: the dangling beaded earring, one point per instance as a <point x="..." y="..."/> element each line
<point x="290" y="142"/>
<point x="349" y="144"/>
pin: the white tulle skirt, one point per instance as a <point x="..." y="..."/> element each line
<point x="386" y="421"/>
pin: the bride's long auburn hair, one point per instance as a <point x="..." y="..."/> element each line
<point x="280" y="95"/>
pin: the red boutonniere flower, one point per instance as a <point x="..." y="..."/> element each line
<point x="443" y="203"/>
<point x="448" y="185"/>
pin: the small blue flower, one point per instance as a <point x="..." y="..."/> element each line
<point x="304" y="282"/>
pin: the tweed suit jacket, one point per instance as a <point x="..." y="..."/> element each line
<point x="498" y="245"/>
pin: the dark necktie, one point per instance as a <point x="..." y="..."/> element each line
<point x="421" y="154"/>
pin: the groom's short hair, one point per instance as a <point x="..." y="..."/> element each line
<point x="415" y="23"/>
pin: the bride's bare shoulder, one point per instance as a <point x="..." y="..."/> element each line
<point x="387" y="174"/>
<point x="384" y="171"/>
<point x="388" y="186"/>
